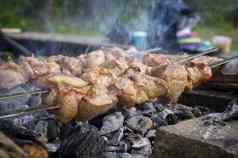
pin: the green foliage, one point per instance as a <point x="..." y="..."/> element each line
<point x="73" y="16"/>
<point x="12" y="13"/>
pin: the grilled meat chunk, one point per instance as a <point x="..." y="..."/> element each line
<point x="93" y="83"/>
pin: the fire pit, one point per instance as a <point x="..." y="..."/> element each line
<point x="121" y="131"/>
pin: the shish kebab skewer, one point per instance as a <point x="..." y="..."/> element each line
<point x="38" y="109"/>
<point x="16" y="95"/>
<point x="27" y="111"/>
<point x="20" y="113"/>
<point x="186" y="59"/>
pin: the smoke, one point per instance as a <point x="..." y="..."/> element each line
<point x="100" y="15"/>
<point x="118" y="19"/>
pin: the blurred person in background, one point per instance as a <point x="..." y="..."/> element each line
<point x="168" y="20"/>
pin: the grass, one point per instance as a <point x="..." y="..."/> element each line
<point x="207" y="32"/>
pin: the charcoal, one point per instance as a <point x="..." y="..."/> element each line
<point x="145" y="150"/>
<point x="158" y="121"/>
<point x="14" y="103"/>
<point x="151" y="134"/>
<point x="131" y="112"/>
<point x="214" y="119"/>
<point x="125" y="145"/>
<point x="136" y="140"/>
<point x="41" y="128"/>
<point x="125" y="155"/>
<point x="231" y="113"/>
<point x="148" y="109"/>
<point x="169" y="116"/>
<point x="183" y="112"/>
<point x="44" y="124"/>
<point x="83" y="142"/>
<point x="53" y="130"/>
<point x="139" y="156"/>
<point x="17" y="132"/>
<point x="117" y="155"/>
<point x="121" y="148"/>
<point x="159" y="107"/>
<point x="69" y="129"/>
<point x="197" y="112"/>
<point x="23" y="136"/>
<point x="35" y="100"/>
<point x="110" y="155"/>
<point x="115" y="137"/>
<point x="201" y="110"/>
<point x="98" y="121"/>
<point x="112" y="122"/>
<point x="52" y="147"/>
<point x="139" y="123"/>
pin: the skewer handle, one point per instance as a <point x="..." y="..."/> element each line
<point x="197" y="55"/>
<point x="225" y="61"/>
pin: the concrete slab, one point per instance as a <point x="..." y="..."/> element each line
<point x="191" y="139"/>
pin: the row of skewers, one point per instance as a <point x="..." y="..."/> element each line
<point x="83" y="87"/>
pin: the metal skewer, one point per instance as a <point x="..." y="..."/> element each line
<point x="186" y="59"/>
<point x="15" y="95"/>
<point x="225" y="61"/>
<point x="27" y="111"/>
<point x="154" y="50"/>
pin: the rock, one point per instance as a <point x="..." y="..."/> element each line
<point x="112" y="122"/>
<point x="140" y="123"/>
<point x="192" y="139"/>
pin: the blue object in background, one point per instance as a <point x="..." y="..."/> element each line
<point x="139" y="40"/>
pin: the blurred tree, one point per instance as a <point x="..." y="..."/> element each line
<point x="40" y="14"/>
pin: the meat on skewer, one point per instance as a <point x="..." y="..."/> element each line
<point x="93" y="83"/>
